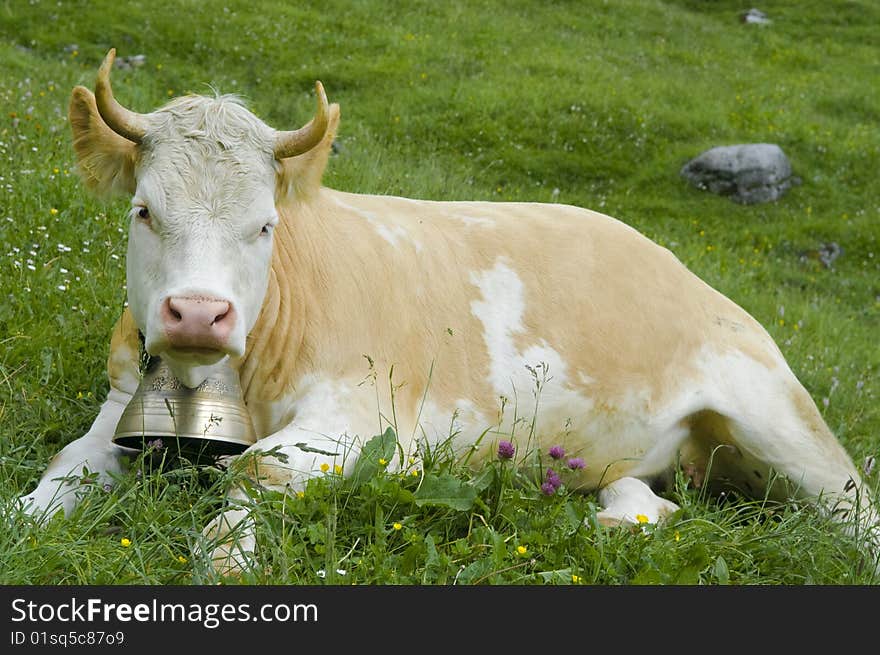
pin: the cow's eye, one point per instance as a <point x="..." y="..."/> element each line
<point x="143" y="213"/>
<point x="266" y="230"/>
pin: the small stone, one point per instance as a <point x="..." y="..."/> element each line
<point x="749" y="173"/>
<point x="755" y="17"/>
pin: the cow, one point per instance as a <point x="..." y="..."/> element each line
<point x="480" y="315"/>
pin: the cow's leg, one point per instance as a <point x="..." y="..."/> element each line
<point x="94" y="452"/>
<point x="629" y="501"/>
<point x="788" y="434"/>
<point x="283" y="462"/>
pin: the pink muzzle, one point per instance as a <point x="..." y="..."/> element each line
<point x="197" y="322"/>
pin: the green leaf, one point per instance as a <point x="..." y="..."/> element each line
<point x="382" y="446"/>
<point x="721" y="572"/>
<point x="559" y="576"/>
<point x="575" y="519"/>
<point x="445" y="490"/>
<point x="474" y="571"/>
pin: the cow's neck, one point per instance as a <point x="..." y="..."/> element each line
<point x="274" y="343"/>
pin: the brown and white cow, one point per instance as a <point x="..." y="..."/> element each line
<point x="554" y="314"/>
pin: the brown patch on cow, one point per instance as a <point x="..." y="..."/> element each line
<point x="122" y="361"/>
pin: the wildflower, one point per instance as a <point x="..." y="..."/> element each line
<point x="155" y="444"/>
<point x="125" y="541"/>
<point x="641" y="518"/>
<point x="53" y="211"/>
<point x="505" y="450"/>
<point x="397" y="526"/>
<point x="181" y="559"/>
<point x="557" y="452"/>
<point x="575" y="578"/>
<point x="676" y="536"/>
<point x="575" y="463"/>
<point x="325" y="467"/>
<point x="300" y="494"/>
<point x="337" y="469"/>
<point x="382" y="461"/>
<point x="522" y="550"/>
<point x="414" y="473"/>
<point x="548" y="489"/>
<point x="553" y="479"/>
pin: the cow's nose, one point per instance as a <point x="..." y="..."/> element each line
<point x="197" y="322"/>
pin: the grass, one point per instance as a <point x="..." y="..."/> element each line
<point x="594" y="104"/>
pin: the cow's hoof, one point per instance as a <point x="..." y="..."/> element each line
<point x="629" y="501"/>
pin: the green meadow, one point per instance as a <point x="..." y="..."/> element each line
<point x="592" y="103"/>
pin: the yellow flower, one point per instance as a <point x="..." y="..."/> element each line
<point x="676" y="536"/>
<point x="522" y="550"/>
<point x="300" y="494"/>
<point x="641" y="518"/>
<point x="575" y="578"/>
<point x="181" y="559"/>
<point x="53" y="211"/>
<point x="414" y="473"/>
<point x="325" y="467"/>
<point x="397" y="526"/>
<point x="56" y="170"/>
<point x="382" y="461"/>
<point x="125" y="541"/>
<point x="337" y="469"/>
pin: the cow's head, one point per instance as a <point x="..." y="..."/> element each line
<point x="203" y="174"/>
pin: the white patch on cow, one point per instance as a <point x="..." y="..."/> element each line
<point x="323" y="405"/>
<point x="474" y="221"/>
<point x="393" y="234"/>
<point x="500" y="312"/>
<point x="583" y="378"/>
<point x="535" y="380"/>
<point x="458" y="423"/>
<point x="325" y="421"/>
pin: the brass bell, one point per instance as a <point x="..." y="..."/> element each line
<point x="211" y="419"/>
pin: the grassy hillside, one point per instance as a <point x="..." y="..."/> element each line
<point x="594" y="103"/>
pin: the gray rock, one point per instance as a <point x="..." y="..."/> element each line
<point x="134" y="61"/>
<point x="755" y="17"/>
<point x="749" y="173"/>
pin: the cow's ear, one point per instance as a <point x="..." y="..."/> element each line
<point x="300" y="176"/>
<point x="106" y="161"/>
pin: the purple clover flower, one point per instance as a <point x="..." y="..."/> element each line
<point x="155" y="444"/>
<point x="553" y="479"/>
<point x="575" y="463"/>
<point x="548" y="489"/>
<point x="505" y="450"/>
<point x="557" y="452"/>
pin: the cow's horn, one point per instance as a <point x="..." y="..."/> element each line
<point x="123" y="121"/>
<point x="296" y="142"/>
